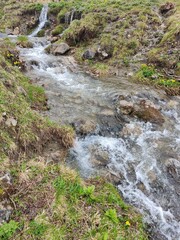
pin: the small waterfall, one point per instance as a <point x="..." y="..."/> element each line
<point x="72" y="15"/>
<point x="42" y="20"/>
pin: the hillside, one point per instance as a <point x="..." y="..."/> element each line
<point x="40" y="197"/>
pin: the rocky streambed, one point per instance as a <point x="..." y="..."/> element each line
<point x="126" y="132"/>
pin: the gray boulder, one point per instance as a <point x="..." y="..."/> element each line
<point x="89" y="54"/>
<point x="60" y="49"/>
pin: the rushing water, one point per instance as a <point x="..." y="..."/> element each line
<point x="147" y="161"/>
<point x="42" y="20"/>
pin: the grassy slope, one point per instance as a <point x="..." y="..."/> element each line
<point x="123" y="29"/>
<point x="49" y="201"/>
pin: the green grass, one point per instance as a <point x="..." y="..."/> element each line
<point x="93" y="209"/>
<point x="7" y="230"/>
<point x="132" y="27"/>
<point x="150" y="75"/>
<point x="18" y="98"/>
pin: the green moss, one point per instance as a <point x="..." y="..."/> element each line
<point x="33" y="7"/>
<point x="41" y="33"/>
<point x="57" y="30"/>
<point x="85" y="29"/>
<point x="7" y="230"/>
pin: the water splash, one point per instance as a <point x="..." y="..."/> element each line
<point x="137" y="161"/>
<point x="42" y="20"/>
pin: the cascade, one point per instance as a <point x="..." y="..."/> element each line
<point x="42" y="20"/>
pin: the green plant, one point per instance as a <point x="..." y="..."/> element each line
<point x="22" y="38"/>
<point x="41" y="33"/>
<point x="37" y="229"/>
<point x="7" y="230"/>
<point x="112" y="215"/>
<point x="88" y="191"/>
<point x="147" y="71"/>
<point x="57" y="30"/>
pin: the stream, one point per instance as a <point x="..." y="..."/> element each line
<point x="146" y="160"/>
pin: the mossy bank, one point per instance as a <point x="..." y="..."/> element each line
<point x="112" y="35"/>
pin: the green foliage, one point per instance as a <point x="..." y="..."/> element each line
<point x="37" y="229"/>
<point x="7" y="230"/>
<point x="112" y="215"/>
<point x="73" y="190"/>
<point x="147" y="71"/>
<point x="34" y="7"/>
<point x="55" y="7"/>
<point x="41" y="33"/>
<point x="57" y="30"/>
<point x="88" y="191"/>
<point x="22" y="38"/>
<point x="168" y="82"/>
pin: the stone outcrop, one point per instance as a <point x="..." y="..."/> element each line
<point x="89" y="54"/>
<point x="144" y="110"/>
<point x="84" y="127"/>
<point x="59" y="49"/>
<point x="165" y="8"/>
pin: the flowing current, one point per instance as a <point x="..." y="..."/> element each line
<point x="42" y="20"/>
<point x="145" y="159"/>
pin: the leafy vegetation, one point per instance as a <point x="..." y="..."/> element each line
<point x="66" y="205"/>
<point x="150" y="75"/>
<point x="7" y="230"/>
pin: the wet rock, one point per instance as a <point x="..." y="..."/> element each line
<point x="107" y="112"/>
<point x="16" y="31"/>
<point x="60" y="49"/>
<point x="89" y="54"/>
<point x="131" y="129"/>
<point x="109" y="126"/>
<point x="173" y="168"/>
<point x="84" y="127"/>
<point x="166" y="7"/>
<point x="34" y="62"/>
<point x="148" y="113"/>
<point x="99" y="157"/>
<point x="152" y="176"/>
<point x="141" y="187"/>
<point x="111" y="176"/>
<point x="126" y="107"/>
<point x="70" y="16"/>
<point x="145" y="110"/>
